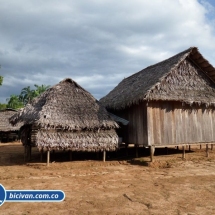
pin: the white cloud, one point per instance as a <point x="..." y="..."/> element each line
<point x="97" y="43"/>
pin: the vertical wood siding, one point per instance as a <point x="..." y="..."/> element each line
<point x="172" y="123"/>
<point x="136" y="130"/>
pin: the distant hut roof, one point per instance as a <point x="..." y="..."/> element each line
<point x="69" y="117"/>
<point x="143" y="84"/>
<point x="5" y="126"/>
<point x="65" y="106"/>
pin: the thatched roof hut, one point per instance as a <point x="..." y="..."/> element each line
<point x="169" y="103"/>
<point x="6" y="129"/>
<point x="5" y="126"/>
<point x="163" y="81"/>
<point x="66" y="116"/>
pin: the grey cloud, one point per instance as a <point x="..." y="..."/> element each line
<point x="97" y="43"/>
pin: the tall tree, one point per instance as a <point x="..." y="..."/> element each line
<point x="27" y="95"/>
<point x="1" y="80"/>
<point x="14" y="102"/>
<point x="3" y="106"/>
<point x="40" y="89"/>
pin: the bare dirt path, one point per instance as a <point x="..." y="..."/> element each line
<point x="170" y="185"/>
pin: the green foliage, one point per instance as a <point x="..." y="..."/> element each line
<point x="26" y="96"/>
<point x="3" y="106"/>
<point x="14" y="102"/>
<point x="40" y="89"/>
<point x="1" y="80"/>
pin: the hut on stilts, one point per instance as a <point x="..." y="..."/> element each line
<point x="169" y="103"/>
<point x="7" y="131"/>
<point x="67" y="117"/>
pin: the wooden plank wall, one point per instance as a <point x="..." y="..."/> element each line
<point x="136" y="131"/>
<point x="172" y="123"/>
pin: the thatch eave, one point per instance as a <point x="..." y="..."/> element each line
<point x="141" y="86"/>
<point x="65" y="106"/>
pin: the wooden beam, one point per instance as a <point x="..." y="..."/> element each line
<point x="104" y="156"/>
<point x="25" y="152"/>
<point x="30" y="150"/>
<point x="152" y="151"/>
<point x="207" y="152"/>
<point x="183" y="154"/>
<point x="48" y="157"/>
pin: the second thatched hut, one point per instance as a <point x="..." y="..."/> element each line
<point x="67" y="117"/>
<point x="169" y="103"/>
<point x="7" y="131"/>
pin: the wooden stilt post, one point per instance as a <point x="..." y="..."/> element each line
<point x="41" y="155"/>
<point x="152" y="151"/>
<point x="30" y="152"/>
<point x="48" y="157"/>
<point x="189" y="148"/>
<point x="126" y="146"/>
<point x="207" y="152"/>
<point x="70" y="155"/>
<point x="177" y="148"/>
<point x="183" y="154"/>
<point x="25" y="152"/>
<point x="136" y="147"/>
<point x="212" y="146"/>
<point x="104" y="156"/>
<point x="166" y="150"/>
<point x="200" y="146"/>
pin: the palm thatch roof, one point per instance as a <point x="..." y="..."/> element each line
<point x="5" y="126"/>
<point x="69" y="117"/>
<point x="187" y="77"/>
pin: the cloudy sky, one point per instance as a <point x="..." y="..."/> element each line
<point x="97" y="43"/>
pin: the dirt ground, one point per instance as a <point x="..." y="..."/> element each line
<point x="121" y="185"/>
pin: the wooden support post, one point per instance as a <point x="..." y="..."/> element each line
<point x="166" y="150"/>
<point x="104" y="156"/>
<point x="30" y="150"/>
<point x="200" y="146"/>
<point x="207" y="152"/>
<point x="189" y="148"/>
<point x="126" y="146"/>
<point x="41" y="155"/>
<point x="136" y="149"/>
<point x="183" y="154"/>
<point x="152" y="151"/>
<point x="177" y="148"/>
<point x="48" y="157"/>
<point x="70" y="155"/>
<point x="25" y="152"/>
<point x="212" y="146"/>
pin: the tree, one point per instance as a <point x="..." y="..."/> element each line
<point x="14" y="102"/>
<point x="27" y="95"/>
<point x="1" y="80"/>
<point x="3" y="106"/>
<point x="40" y="89"/>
